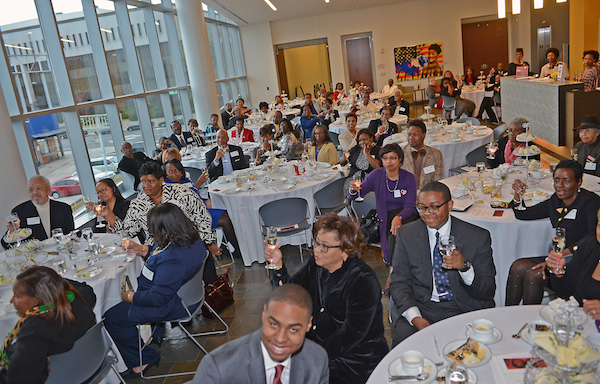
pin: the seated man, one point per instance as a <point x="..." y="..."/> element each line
<point x="366" y="105"/>
<point x="237" y="112"/>
<point x="132" y="161"/>
<point x="426" y="163"/>
<point x="199" y="138"/>
<point x="422" y="290"/>
<point x="163" y="143"/>
<point x="450" y="89"/>
<point x="239" y="132"/>
<point x="179" y="138"/>
<point x="224" y="159"/>
<point x="401" y="106"/>
<point x="433" y="93"/>
<point x="389" y="89"/>
<point x="227" y="114"/>
<point x="41" y="214"/>
<point x="277" y="353"/>
<point x="307" y="122"/>
<point x="382" y="127"/>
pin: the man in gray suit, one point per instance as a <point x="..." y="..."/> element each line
<point x="277" y="353"/>
<point x="427" y="287"/>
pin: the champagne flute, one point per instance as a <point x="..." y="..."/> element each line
<point x="558" y="245"/>
<point x="13" y="218"/>
<point x="521" y="192"/>
<point x="491" y="150"/>
<point x="357" y="178"/>
<point x="446" y="245"/>
<point x="98" y="211"/>
<point x="271" y="243"/>
<point x="124" y="244"/>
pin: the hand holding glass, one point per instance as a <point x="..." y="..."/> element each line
<point x="558" y="245"/>
<point x="14" y="221"/>
<point x="271" y="243"/>
<point x="446" y="245"/>
<point x="491" y="150"/>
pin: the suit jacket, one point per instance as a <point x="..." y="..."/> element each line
<point x="226" y="116"/>
<point x="432" y="157"/>
<point x="61" y="216"/>
<point x="241" y="361"/>
<point x="132" y="166"/>
<point x="374" y="126"/>
<point x="237" y="161"/>
<point x="594" y="154"/>
<point x="403" y="104"/>
<point x="412" y="276"/>
<point x="189" y="139"/>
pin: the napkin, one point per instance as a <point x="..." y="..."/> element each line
<point x="108" y="273"/>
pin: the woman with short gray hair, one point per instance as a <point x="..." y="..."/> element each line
<point x="508" y="145"/>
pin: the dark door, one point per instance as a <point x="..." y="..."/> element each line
<point x="358" y="55"/>
<point x="485" y="42"/>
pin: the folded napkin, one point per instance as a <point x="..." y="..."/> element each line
<point x="108" y="273"/>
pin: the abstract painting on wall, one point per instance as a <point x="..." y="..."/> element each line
<point x="418" y="61"/>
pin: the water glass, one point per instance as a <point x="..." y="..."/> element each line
<point x="57" y="234"/>
<point x="446" y="245"/>
<point x="491" y="150"/>
<point x="558" y="245"/>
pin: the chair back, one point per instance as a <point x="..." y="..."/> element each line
<point x="284" y="213"/>
<point x="476" y="155"/>
<point x="361" y="208"/>
<point x="449" y="103"/>
<point x="331" y="196"/>
<point x="499" y="131"/>
<point x="128" y="181"/>
<point x="192" y="292"/>
<point x="195" y="173"/>
<point x="473" y="120"/>
<point x="85" y="358"/>
<point x="296" y="120"/>
<point x="334" y="138"/>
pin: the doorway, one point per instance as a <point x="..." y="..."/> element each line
<point x="485" y="44"/>
<point x="544" y="42"/>
<point x="359" y="59"/>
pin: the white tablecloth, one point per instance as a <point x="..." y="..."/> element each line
<point x="512" y="238"/>
<point x="243" y="210"/>
<point x="508" y="319"/>
<point x="340" y="125"/>
<point x="476" y="96"/>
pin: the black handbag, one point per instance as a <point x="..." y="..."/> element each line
<point x="369" y="226"/>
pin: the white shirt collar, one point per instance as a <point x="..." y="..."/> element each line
<point x="444" y="229"/>
<point x="271" y="364"/>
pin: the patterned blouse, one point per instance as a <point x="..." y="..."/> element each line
<point x="180" y="195"/>
<point x="591" y="80"/>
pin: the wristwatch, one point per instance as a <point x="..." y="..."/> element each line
<point x="466" y="267"/>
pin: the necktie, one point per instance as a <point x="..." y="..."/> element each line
<point x="416" y="154"/>
<point x="441" y="276"/>
<point x="278" y="371"/>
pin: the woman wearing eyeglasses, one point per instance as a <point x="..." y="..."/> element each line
<point x="347" y="311"/>
<point x="508" y="145"/>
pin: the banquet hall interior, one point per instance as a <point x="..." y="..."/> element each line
<point x="80" y="77"/>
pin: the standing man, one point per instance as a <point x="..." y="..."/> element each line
<point x="40" y="214"/>
<point x="382" y="127"/>
<point x="551" y="66"/>
<point x="423" y="291"/>
<point x="226" y="114"/>
<point x="131" y="162"/>
<point x="389" y="89"/>
<point x="426" y="163"/>
<point x="278" y="353"/>
<point x="224" y="159"/>
<point x="179" y="138"/>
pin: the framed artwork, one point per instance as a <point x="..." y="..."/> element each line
<point x="418" y="61"/>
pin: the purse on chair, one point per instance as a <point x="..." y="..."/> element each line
<point x="369" y="226"/>
<point x="218" y="295"/>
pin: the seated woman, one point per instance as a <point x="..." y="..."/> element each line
<point x="339" y="93"/>
<point x="110" y="196"/>
<point x="330" y="115"/>
<point x="582" y="278"/>
<point x="433" y="94"/>
<point x="570" y="207"/>
<point x="53" y="315"/>
<point x="395" y="192"/>
<point x="347" y="311"/>
<point x="508" y="145"/>
<point x="363" y="157"/>
<point x="587" y="151"/>
<point x="278" y="103"/>
<point x="264" y="113"/>
<point x="176" y="175"/>
<point x="470" y="78"/>
<point x="171" y="153"/>
<point x="348" y="137"/>
<point x="288" y="142"/>
<point x="176" y="257"/>
<point x="307" y="122"/>
<point x="322" y="149"/>
<point x="266" y="143"/>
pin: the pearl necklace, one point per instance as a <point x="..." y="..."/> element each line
<point x="395" y="186"/>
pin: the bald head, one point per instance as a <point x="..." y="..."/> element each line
<point x="222" y="138"/>
<point x="127" y="149"/>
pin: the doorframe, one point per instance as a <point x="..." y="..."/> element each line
<point x="297" y="44"/>
<point x="354" y="36"/>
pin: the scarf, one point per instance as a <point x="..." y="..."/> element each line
<point x="509" y="153"/>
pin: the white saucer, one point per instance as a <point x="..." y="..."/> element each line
<point x="548" y="314"/>
<point x="487" y="356"/>
<point x="472" y="375"/>
<point x="395" y="368"/>
<point x="497" y="336"/>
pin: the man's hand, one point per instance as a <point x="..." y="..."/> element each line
<point x="220" y="154"/>
<point x="420" y="323"/>
<point x="455" y="261"/>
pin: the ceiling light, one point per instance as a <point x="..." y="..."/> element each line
<point x="516" y="7"/>
<point x="501" y="9"/>
<point x="17" y="47"/>
<point x="327" y="1"/>
<point x="538" y="4"/>
<point x="270" y="5"/>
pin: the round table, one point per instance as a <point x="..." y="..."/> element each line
<point x="511" y="238"/>
<point x="507" y="319"/>
<point x="243" y="208"/>
<point x="476" y="95"/>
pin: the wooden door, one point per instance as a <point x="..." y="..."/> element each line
<point x="282" y="72"/>
<point x="360" y="66"/>
<point x="484" y="42"/>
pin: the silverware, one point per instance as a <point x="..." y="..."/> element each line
<point x="518" y="334"/>
<point x="421" y="377"/>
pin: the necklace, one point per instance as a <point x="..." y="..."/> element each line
<point x="395" y="186"/>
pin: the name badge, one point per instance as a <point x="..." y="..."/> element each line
<point x="190" y="139"/>
<point x="397" y="193"/>
<point x="402" y="109"/>
<point x="571" y="215"/>
<point x="33" y="220"/>
<point x="429" y="169"/>
<point x="590" y="166"/>
<point x="147" y="273"/>
<point x="234" y="154"/>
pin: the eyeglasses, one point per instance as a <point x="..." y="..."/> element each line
<point x="421" y="208"/>
<point x="324" y="248"/>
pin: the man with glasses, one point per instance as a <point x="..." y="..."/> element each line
<point x="427" y="287"/>
<point x="383" y="127"/>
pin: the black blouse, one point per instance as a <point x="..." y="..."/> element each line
<point x="355" y="152"/>
<point x="347" y="316"/>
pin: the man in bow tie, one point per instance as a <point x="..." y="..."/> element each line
<point x="426" y="163"/>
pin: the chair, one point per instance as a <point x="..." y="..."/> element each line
<point x="222" y="239"/>
<point x="499" y="131"/>
<point x="128" y="181"/>
<point x="192" y="292"/>
<point x="331" y="198"/>
<point x="195" y="173"/>
<point x="334" y="138"/>
<point x="473" y="120"/>
<point x="449" y="107"/>
<point x="289" y="216"/>
<point x="87" y="362"/>
<point x="361" y="208"/>
<point x="476" y="155"/>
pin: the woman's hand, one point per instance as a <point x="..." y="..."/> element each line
<point x="202" y="179"/>
<point x="592" y="308"/>
<point x="396" y="222"/>
<point x="367" y="148"/>
<point x="128" y="296"/>
<point x="138" y="249"/>
<point x="541" y="266"/>
<point x="355" y="185"/>
<point x="214" y="250"/>
<point x="273" y="255"/>
<point x="555" y="260"/>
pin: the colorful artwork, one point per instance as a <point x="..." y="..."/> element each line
<point x="418" y="61"/>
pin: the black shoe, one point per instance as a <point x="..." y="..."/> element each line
<point x="130" y="374"/>
<point x="158" y="335"/>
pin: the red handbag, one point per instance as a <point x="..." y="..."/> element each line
<point x="218" y="294"/>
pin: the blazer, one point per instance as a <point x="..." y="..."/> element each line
<point x="374" y="125"/>
<point x="404" y="107"/>
<point x="241" y="361"/>
<point x="189" y="139"/>
<point x="225" y="116"/>
<point x="238" y="161"/>
<point x="327" y="154"/>
<point x="412" y="277"/>
<point x="432" y="157"/>
<point x="593" y="158"/>
<point x="61" y="216"/>
<point x="132" y="166"/>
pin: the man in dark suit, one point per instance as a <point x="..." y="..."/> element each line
<point x="132" y="162"/>
<point x="179" y="138"/>
<point x="41" y="214"/>
<point x="427" y="287"/>
<point x="382" y="127"/>
<point x="224" y="159"/>
<point x="227" y="114"/>
<point x="399" y="105"/>
<point x="277" y="353"/>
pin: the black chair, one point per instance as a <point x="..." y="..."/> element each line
<point x="331" y="198"/>
<point x="499" y="131"/>
<point x="195" y="173"/>
<point x="334" y="138"/>
<point x="360" y="209"/>
<point x="476" y="155"/>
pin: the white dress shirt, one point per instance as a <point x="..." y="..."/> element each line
<point x="44" y="212"/>
<point x="227" y="166"/>
<point x="270" y="365"/>
<point x="389" y="91"/>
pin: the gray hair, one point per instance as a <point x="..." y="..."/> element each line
<point x="40" y="177"/>
<point x="399" y="91"/>
<point x="518" y="121"/>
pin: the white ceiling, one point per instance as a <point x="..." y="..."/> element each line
<point x="245" y="12"/>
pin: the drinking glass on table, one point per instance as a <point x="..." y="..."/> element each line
<point x="480" y="168"/>
<point x="491" y="150"/>
<point x="271" y="234"/>
<point x="125" y="240"/>
<point x="558" y="245"/>
<point x="521" y="193"/>
<point x="446" y="245"/>
<point x="57" y="234"/>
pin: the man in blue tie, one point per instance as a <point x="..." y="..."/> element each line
<point x="427" y="286"/>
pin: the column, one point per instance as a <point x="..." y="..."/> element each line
<point x="198" y="59"/>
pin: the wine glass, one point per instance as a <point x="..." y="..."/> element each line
<point x="98" y="210"/>
<point x="521" y="192"/>
<point x="271" y="243"/>
<point x="573" y="154"/>
<point x="357" y="178"/>
<point x="446" y="245"/>
<point x="13" y="218"/>
<point x="480" y="168"/>
<point x="124" y="244"/>
<point x="57" y="234"/>
<point x="558" y="245"/>
<point x="491" y="150"/>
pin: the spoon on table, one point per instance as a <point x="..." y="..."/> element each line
<point x="420" y="377"/>
<point x="518" y="334"/>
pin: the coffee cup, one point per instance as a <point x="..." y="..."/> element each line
<point x="460" y="191"/>
<point x="539" y="326"/>
<point x="412" y="362"/>
<point x="481" y="330"/>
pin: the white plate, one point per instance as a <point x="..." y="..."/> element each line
<point x="548" y="314"/>
<point x="527" y="336"/>
<point x="454" y="140"/>
<point x="479" y="133"/>
<point x="230" y="191"/>
<point x="395" y="368"/>
<point x="319" y="176"/>
<point x="284" y="187"/>
<point x="280" y="180"/>
<point x="487" y="356"/>
<point x="472" y="375"/>
<point x="497" y="336"/>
